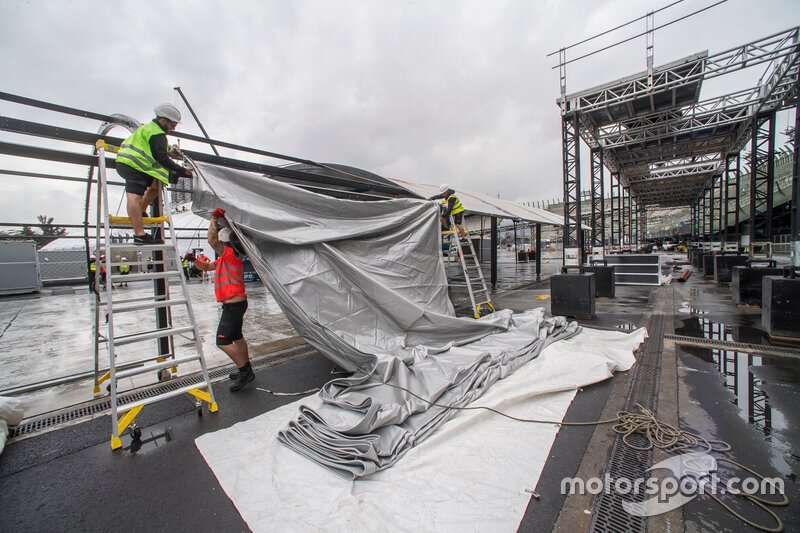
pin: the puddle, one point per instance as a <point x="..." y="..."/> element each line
<point x="148" y="442"/>
<point x="735" y="369"/>
<point x="763" y="389"/>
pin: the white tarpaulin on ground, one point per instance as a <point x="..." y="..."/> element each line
<point x="473" y="474"/>
<point x="364" y="283"/>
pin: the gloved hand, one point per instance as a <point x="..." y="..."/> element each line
<point x="189" y="256"/>
<point x="218" y="213"/>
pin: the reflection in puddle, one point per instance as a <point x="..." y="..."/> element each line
<point x="687" y="309"/>
<point x="147" y="443"/>
<point x="735" y="369"/>
<point x="630" y="326"/>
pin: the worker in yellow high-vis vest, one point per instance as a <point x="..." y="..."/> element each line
<point x="453" y="207"/>
<point x="143" y="162"/>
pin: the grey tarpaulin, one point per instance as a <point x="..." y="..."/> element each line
<point x="364" y="283"/>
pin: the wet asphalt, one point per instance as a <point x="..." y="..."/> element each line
<point x="68" y="479"/>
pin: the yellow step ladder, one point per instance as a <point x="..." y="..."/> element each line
<point x="164" y="267"/>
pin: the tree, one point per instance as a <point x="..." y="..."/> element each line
<point x="49" y="229"/>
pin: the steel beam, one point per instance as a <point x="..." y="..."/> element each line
<point x="795" y="205"/>
<point x="762" y="174"/>
<point x="598" y="200"/>
<point x="616" y="205"/>
<point x="570" y="143"/>
<point x="732" y="203"/>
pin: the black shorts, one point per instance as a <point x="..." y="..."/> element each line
<point x="135" y="182"/>
<point x="458" y="217"/>
<point x="230" y="323"/>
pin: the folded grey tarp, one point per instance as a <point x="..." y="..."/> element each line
<point x="364" y="283"/>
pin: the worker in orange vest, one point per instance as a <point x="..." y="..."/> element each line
<point x="229" y="289"/>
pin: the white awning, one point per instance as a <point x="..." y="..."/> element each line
<point x="481" y="204"/>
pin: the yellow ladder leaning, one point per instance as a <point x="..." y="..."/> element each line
<point x="479" y="295"/>
<point x="165" y="267"/>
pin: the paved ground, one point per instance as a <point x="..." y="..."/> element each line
<point x="68" y="479"/>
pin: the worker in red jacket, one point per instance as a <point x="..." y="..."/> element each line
<point x="229" y="288"/>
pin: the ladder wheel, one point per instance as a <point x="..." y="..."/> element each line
<point x="108" y="387"/>
<point x="486" y="311"/>
<point x="135" y="432"/>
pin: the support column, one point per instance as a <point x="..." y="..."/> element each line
<point x="693" y="222"/>
<point x="712" y="211"/>
<point x="731" y="224"/>
<point x="570" y="140"/>
<point x="493" y="253"/>
<point x="794" y="235"/>
<point x="538" y="251"/>
<point x="616" y="219"/>
<point x="720" y="213"/>
<point x="626" y="216"/>
<point x="642" y="223"/>
<point x="762" y="173"/>
<point x="704" y="217"/>
<point x="598" y="203"/>
<point x="634" y="224"/>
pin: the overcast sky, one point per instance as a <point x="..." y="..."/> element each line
<point x="428" y="91"/>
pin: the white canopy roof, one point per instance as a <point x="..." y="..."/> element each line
<point x="480" y="204"/>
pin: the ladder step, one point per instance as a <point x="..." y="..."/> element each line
<point x="157" y="334"/>
<point x="177" y="392"/>
<point x="133" y="300"/>
<point x="155" y="368"/>
<point x="146" y="276"/>
<point x="141" y="247"/>
<point x="148" y="305"/>
<point x="145" y="220"/>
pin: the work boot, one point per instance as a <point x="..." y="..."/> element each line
<point x="245" y="376"/>
<point x="234" y="375"/>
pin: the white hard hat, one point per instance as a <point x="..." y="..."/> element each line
<point x="123" y="258"/>
<point x="225" y="235"/>
<point x="168" y="111"/>
<point x="444" y="187"/>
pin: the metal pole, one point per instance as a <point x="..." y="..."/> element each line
<point x="538" y="251"/>
<point x="197" y="120"/>
<point x="493" y="245"/>
<point x="795" y="205"/>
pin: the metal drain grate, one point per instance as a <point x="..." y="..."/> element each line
<point x="627" y="462"/>
<point x="100" y="406"/>
<point x="732" y="346"/>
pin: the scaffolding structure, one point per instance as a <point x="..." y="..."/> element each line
<point x="665" y="147"/>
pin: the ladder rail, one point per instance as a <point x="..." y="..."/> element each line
<point x="479" y="280"/>
<point x="170" y="266"/>
<point x="103" y="191"/>
<point x="185" y="289"/>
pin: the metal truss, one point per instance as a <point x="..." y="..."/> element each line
<point x="725" y="110"/>
<point x="572" y="182"/>
<point x="616" y="211"/>
<point x="731" y="178"/>
<point x="762" y="173"/>
<point x="692" y="70"/>
<point x="677" y="171"/>
<point x="598" y="218"/>
<point x="626" y="216"/>
<point x="653" y="130"/>
<point x="759" y="411"/>
<point x="693" y="219"/>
